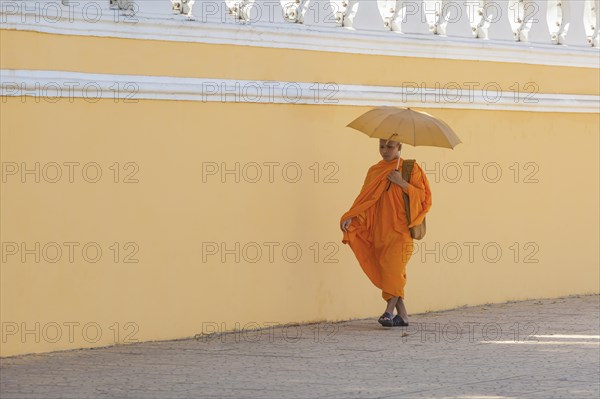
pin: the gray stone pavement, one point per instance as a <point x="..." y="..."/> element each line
<point x="546" y="348"/>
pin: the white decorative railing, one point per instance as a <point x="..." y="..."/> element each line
<point x="562" y="22"/>
<point x="570" y="22"/>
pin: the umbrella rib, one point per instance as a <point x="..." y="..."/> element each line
<point x="397" y="127"/>
<point x="381" y="122"/>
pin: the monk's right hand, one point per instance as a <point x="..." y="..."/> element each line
<point x="345" y="224"/>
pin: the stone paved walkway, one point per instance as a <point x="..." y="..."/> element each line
<point x="545" y="348"/>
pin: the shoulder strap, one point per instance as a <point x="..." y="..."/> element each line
<point x="407" y="167"/>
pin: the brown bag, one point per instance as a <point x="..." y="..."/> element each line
<point x="416" y="232"/>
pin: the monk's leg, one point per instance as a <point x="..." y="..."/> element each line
<point x="402" y="309"/>
<point x="391" y="304"/>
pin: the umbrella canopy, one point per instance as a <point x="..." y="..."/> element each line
<point x="406" y="126"/>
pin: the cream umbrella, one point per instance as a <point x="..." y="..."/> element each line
<point x="406" y="125"/>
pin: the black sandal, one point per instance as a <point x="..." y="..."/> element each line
<point x="399" y="322"/>
<point x="386" y="323"/>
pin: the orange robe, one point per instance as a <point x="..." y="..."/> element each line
<point x="379" y="233"/>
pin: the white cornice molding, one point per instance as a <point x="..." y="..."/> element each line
<point x="53" y="86"/>
<point x="317" y="38"/>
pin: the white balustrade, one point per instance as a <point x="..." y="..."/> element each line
<point x="498" y="23"/>
<point x="595" y="39"/>
<point x="274" y="10"/>
<point x="591" y="21"/>
<point x="264" y="11"/>
<point x="362" y="15"/>
<point x="566" y="22"/>
<point x="215" y="11"/>
<point x="572" y="30"/>
<point x="182" y="7"/>
<point x="314" y="12"/>
<point x="294" y="10"/>
<point x="411" y="17"/>
<point x="119" y="4"/>
<point x="453" y="20"/>
<point x="146" y="8"/>
<point x="389" y="12"/>
<point x="554" y="19"/>
<point x="534" y="27"/>
<point x="479" y="24"/>
<point x="570" y="22"/>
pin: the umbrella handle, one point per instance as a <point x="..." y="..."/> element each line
<point x="390" y="182"/>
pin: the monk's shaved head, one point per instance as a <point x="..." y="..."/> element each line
<point x="389" y="149"/>
<point x="387" y="141"/>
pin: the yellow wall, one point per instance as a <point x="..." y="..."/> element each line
<point x="170" y="212"/>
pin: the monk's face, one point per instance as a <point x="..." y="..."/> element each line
<point x="389" y="150"/>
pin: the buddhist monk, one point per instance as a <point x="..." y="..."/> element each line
<point x="377" y="229"/>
